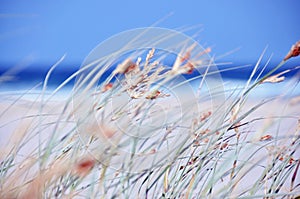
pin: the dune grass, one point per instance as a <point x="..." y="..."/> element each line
<point x="144" y="131"/>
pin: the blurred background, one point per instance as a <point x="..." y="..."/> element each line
<point x="36" y="34"/>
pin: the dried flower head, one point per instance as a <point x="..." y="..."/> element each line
<point x="294" y="52"/>
<point x="224" y="146"/>
<point x="204" y="116"/>
<point x="83" y="167"/>
<point x="125" y="67"/>
<point x="291" y="160"/>
<point x="107" y="87"/>
<point x="189" y="68"/>
<point x="266" y="138"/>
<point x="156" y="94"/>
<point x="276" y="78"/>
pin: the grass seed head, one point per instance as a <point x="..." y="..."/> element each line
<point x="84" y="166"/>
<point x="107" y="87"/>
<point x="266" y="138"/>
<point x="294" y="52"/>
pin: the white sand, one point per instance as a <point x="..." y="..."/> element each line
<point x="279" y="118"/>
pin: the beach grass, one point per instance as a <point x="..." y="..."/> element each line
<point x="143" y="130"/>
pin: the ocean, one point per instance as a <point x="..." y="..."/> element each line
<point x="233" y="77"/>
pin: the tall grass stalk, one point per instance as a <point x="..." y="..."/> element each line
<point x="136" y="133"/>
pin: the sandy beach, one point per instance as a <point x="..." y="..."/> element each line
<point x="27" y="126"/>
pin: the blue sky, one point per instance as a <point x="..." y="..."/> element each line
<point x="43" y="31"/>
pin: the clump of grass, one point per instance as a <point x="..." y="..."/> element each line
<point x="135" y="134"/>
